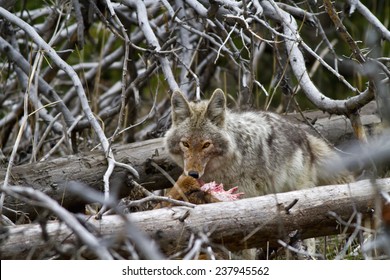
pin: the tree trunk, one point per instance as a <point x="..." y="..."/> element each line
<point x="237" y="225"/>
<point x="52" y="176"/>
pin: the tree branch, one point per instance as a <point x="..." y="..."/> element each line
<point x="237" y="225"/>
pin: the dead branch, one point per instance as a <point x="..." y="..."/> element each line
<point x="237" y="225"/>
<point x="53" y="177"/>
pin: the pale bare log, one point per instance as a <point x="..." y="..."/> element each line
<point x="337" y="130"/>
<point x="237" y="225"/>
<point x="52" y="177"/>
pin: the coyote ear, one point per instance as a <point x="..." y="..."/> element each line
<point x="180" y="107"/>
<point x="216" y="108"/>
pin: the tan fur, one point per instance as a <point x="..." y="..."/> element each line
<point x="188" y="189"/>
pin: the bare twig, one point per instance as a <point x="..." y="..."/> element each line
<point x="80" y="91"/>
<point x="152" y="40"/>
<point x="298" y="66"/>
<point x="44" y="201"/>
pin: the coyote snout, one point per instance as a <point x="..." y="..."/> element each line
<point x="196" y="156"/>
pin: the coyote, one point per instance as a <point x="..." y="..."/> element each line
<point x="260" y="152"/>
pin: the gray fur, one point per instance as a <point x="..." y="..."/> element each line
<point x="260" y="152"/>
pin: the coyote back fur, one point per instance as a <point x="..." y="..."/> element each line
<point x="260" y="152"/>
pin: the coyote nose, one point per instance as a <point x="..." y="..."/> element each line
<point x="193" y="174"/>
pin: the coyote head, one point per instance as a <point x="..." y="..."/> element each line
<point x="198" y="140"/>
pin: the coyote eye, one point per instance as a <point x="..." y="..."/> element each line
<point x="185" y="144"/>
<point x="206" y="145"/>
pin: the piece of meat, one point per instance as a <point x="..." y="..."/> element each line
<point x="218" y="191"/>
<point x="196" y="191"/>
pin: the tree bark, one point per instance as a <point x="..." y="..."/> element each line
<point x="53" y="176"/>
<point x="237" y="225"/>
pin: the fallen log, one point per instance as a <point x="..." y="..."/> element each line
<point x="53" y="176"/>
<point x="237" y="225"/>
